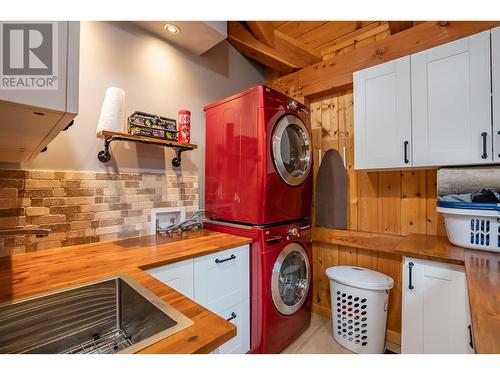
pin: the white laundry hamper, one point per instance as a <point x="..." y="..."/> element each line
<point x="472" y="225"/>
<point x="360" y="298"/>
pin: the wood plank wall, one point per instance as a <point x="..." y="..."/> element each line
<point x="392" y="202"/>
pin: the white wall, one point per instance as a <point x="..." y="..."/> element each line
<point x="158" y="78"/>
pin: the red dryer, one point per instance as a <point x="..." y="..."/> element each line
<point x="280" y="279"/>
<point x="258" y="159"/>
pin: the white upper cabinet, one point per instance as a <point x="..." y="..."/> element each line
<point x="382" y="115"/>
<point x="451" y="105"/>
<point x="61" y="94"/>
<point x="38" y="87"/>
<point x="495" y="72"/>
<point x="433" y="108"/>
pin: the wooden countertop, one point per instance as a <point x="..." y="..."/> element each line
<point x="482" y="269"/>
<point x="32" y="273"/>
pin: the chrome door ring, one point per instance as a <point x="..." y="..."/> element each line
<point x="278" y="302"/>
<point x="283" y="123"/>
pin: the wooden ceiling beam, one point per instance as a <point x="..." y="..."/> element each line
<point x="398" y="26"/>
<point x="285" y="42"/>
<point x="354" y="37"/>
<point x="322" y="78"/>
<point x="286" y="57"/>
<point x="263" y="32"/>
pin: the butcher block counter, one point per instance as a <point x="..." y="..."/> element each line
<point x="482" y="269"/>
<point x="28" y="274"/>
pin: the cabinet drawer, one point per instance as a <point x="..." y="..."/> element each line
<point x="221" y="280"/>
<point x="178" y="276"/>
<point x="239" y="316"/>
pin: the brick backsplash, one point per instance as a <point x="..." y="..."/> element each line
<point x="85" y="207"/>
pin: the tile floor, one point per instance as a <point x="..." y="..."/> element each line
<point x="317" y="339"/>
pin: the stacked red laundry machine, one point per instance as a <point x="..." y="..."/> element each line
<point x="259" y="185"/>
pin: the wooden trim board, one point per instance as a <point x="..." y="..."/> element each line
<point x="328" y="76"/>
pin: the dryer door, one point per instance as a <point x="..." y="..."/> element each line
<point x="290" y="279"/>
<point x="291" y="150"/>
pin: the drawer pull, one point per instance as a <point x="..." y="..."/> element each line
<point x="233" y="316"/>
<point x="219" y="261"/>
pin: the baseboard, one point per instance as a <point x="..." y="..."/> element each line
<point x="393" y="338"/>
<point x="393" y="341"/>
<point x="321" y="310"/>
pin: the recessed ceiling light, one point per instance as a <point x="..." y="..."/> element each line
<point x="171" y="28"/>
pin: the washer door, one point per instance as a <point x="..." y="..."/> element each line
<point x="291" y="149"/>
<point x="290" y="279"/>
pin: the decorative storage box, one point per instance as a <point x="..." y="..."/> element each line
<point x="148" y="125"/>
<point x="472" y="225"/>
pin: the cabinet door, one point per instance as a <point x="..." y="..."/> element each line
<point x="382" y="116"/>
<point x="178" y="276"/>
<point x="436" y="316"/>
<point x="451" y="104"/>
<point x="221" y="280"/>
<point x="239" y="315"/>
<point x="65" y="39"/>
<point x="495" y="73"/>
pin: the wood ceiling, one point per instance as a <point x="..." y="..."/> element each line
<point x="286" y="46"/>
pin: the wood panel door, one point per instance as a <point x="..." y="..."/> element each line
<point x="382" y="116"/>
<point x="436" y="316"/>
<point x="495" y="79"/>
<point x="451" y="104"/>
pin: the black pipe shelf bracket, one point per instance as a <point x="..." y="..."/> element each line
<point x="109" y="136"/>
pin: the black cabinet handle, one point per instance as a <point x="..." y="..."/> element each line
<point x="485" y="153"/>
<point x="406" y="152"/>
<point x="470" y="337"/>
<point x="233" y="316"/>
<point x="410" y="285"/>
<point x="219" y="261"/>
<point x="69" y="125"/>
<point x="498" y="134"/>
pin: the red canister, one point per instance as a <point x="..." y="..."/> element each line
<point x="183" y="126"/>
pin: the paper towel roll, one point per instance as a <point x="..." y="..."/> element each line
<point x="112" y="115"/>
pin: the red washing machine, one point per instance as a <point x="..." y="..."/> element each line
<point x="258" y="159"/>
<point x="280" y="279"/>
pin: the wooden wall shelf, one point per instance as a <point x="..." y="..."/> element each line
<point x="423" y="246"/>
<point x="109" y="136"/>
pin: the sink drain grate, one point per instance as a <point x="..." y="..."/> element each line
<point x="108" y="343"/>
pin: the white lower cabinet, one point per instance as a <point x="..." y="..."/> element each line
<point x="239" y="315"/>
<point x="221" y="283"/>
<point x="436" y="315"/>
<point x="222" y="279"/>
<point x="178" y="276"/>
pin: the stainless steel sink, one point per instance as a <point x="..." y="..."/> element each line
<point x="109" y="316"/>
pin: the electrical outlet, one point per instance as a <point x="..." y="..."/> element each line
<point x="166" y="216"/>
